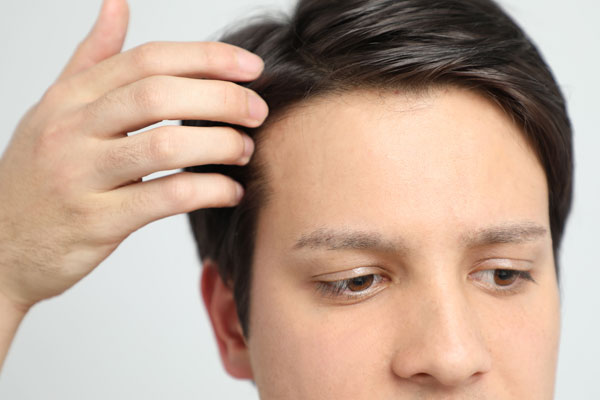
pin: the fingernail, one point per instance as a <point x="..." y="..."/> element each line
<point x="249" y="62"/>
<point x="257" y="108"/>
<point x="248" y="148"/>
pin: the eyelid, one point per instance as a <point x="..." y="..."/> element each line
<point x="335" y="290"/>
<point x="349" y="274"/>
<point x="523" y="278"/>
<point x="503" y="263"/>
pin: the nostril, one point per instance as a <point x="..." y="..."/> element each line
<point x="476" y="376"/>
<point x="422" y="378"/>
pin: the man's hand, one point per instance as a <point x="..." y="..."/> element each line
<point x="70" y="180"/>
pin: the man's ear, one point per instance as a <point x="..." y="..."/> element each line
<point x="219" y="302"/>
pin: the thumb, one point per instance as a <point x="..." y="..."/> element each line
<point x="104" y="40"/>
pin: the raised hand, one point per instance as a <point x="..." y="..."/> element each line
<point x="70" y="180"/>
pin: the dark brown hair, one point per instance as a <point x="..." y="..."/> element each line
<point x="328" y="45"/>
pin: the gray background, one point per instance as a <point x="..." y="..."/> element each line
<point x="135" y="327"/>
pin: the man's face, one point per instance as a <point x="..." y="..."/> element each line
<point x="394" y="257"/>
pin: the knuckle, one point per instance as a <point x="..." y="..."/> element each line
<point x="224" y="191"/>
<point x="177" y="191"/>
<point x="208" y="53"/>
<point x="53" y="147"/>
<point x="54" y="94"/>
<point x="147" y="94"/>
<point x="234" y="98"/>
<point x="52" y="138"/>
<point x="52" y="131"/>
<point x="102" y="218"/>
<point x="233" y="145"/>
<point x="146" y="57"/>
<point x="85" y="211"/>
<point x="161" y="146"/>
<point x="216" y="55"/>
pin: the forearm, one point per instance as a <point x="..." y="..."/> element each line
<point x="10" y="319"/>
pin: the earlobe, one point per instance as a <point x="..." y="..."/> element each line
<point x="221" y="308"/>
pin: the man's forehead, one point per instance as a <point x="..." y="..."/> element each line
<point x="452" y="155"/>
<point x="324" y="111"/>
<point x="362" y="126"/>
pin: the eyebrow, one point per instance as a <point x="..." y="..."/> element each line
<point x="333" y="239"/>
<point x="514" y="233"/>
<point x="347" y="239"/>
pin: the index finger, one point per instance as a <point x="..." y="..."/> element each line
<point x="212" y="60"/>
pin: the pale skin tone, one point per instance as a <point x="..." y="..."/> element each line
<point x="380" y="260"/>
<point x="433" y="200"/>
<point x="70" y="180"/>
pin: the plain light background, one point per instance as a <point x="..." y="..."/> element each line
<point x="136" y="328"/>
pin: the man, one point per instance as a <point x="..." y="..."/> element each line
<point x="402" y="214"/>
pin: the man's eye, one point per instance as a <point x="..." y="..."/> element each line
<point x="360" y="283"/>
<point x="352" y="288"/>
<point x="502" y="281"/>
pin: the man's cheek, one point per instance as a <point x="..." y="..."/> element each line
<point x="523" y="343"/>
<point x="321" y="344"/>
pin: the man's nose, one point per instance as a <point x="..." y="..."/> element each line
<point x="441" y="344"/>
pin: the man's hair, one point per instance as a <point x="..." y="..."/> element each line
<point x="411" y="45"/>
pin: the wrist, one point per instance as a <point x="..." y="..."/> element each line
<point x="11" y="315"/>
<point x="10" y="309"/>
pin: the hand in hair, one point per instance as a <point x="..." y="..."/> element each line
<point x="70" y="180"/>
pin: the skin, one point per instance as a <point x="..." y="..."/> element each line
<point x="70" y="179"/>
<point x="423" y="175"/>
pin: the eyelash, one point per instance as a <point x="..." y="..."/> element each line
<point x="521" y="278"/>
<point x="337" y="289"/>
